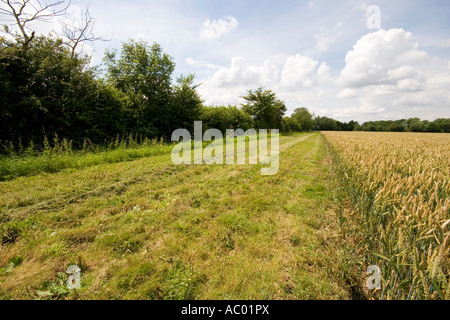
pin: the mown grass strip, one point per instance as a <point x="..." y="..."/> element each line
<point x="149" y="229"/>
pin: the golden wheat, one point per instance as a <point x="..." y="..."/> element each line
<point x="399" y="189"/>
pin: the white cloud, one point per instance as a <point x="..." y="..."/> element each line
<point x="365" y="109"/>
<point x="413" y="99"/>
<point x="382" y="90"/>
<point x="201" y="64"/>
<point x="217" y="29"/>
<point x="323" y="73"/>
<point x="299" y="71"/>
<point x="401" y="73"/>
<point x="386" y="73"/>
<point x="381" y="57"/>
<point x="296" y="79"/>
<point x="324" y="42"/>
<point x="241" y="74"/>
<point x="439" y="81"/>
<point x="327" y="37"/>
<point x="347" y="94"/>
<point x="227" y="84"/>
<point x="393" y="79"/>
<point x="446" y="44"/>
<point x="411" y="85"/>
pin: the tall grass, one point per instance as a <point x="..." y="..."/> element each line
<point x="398" y="188"/>
<point x="57" y="155"/>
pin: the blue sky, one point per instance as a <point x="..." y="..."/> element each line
<point x="318" y="54"/>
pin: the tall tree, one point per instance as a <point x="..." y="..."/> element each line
<point x="185" y="106"/>
<point x="303" y="118"/>
<point x="144" y="72"/>
<point x="265" y="108"/>
<point x="44" y="90"/>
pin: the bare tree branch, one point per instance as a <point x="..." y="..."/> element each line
<point x="79" y="32"/>
<point x="25" y="11"/>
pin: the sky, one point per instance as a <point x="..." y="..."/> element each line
<point x="349" y="60"/>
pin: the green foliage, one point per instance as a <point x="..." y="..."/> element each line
<point x="410" y="125"/>
<point x="144" y="74"/>
<point x="156" y="108"/>
<point x="223" y="118"/>
<point x="325" y="124"/>
<point x="181" y="282"/>
<point x="397" y="127"/>
<point x="265" y="108"/>
<point x="290" y="125"/>
<point x="185" y="105"/>
<point x="13" y="263"/>
<point x="303" y="118"/>
<point x="59" y="155"/>
<point x="12" y="230"/>
<point x="443" y="125"/>
<point x="54" y="290"/>
<point x="46" y="91"/>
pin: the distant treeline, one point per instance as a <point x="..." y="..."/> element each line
<point x="404" y="125"/>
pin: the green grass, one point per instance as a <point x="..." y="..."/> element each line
<point x="149" y="229"/>
<point x="60" y="156"/>
<point x="53" y="161"/>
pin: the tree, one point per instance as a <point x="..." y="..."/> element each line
<point x="397" y="127"/>
<point x="144" y="73"/>
<point x="25" y="12"/>
<point x="324" y="124"/>
<point x="265" y="108"/>
<point x="45" y="91"/>
<point x="352" y="125"/>
<point x="409" y="122"/>
<point x="290" y="125"/>
<point x="303" y="118"/>
<point x="432" y="127"/>
<point x="443" y="125"/>
<point x="226" y="117"/>
<point x="417" y="126"/>
<point x="77" y="32"/>
<point x="186" y="104"/>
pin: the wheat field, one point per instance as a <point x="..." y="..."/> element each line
<point x="397" y="215"/>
